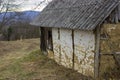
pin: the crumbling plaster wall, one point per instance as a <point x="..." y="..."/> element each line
<point x="79" y="55"/>
<point x="84" y="42"/>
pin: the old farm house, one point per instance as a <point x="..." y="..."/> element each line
<point x="73" y="31"/>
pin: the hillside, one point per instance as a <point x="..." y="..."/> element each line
<point x="15" y="17"/>
<point x="22" y="60"/>
<point x="18" y="24"/>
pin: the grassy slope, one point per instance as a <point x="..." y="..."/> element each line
<point x="22" y="60"/>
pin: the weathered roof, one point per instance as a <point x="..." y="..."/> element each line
<point x="75" y="14"/>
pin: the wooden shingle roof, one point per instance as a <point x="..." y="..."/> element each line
<point x="75" y="14"/>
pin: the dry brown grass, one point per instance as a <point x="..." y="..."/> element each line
<point x="19" y="46"/>
<point x="19" y="61"/>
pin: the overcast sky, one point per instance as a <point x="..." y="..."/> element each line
<point x="30" y="4"/>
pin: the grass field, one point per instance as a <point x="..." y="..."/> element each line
<point x="22" y="60"/>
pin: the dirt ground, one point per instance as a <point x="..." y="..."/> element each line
<point x="22" y="60"/>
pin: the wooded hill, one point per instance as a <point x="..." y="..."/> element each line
<point x="15" y="25"/>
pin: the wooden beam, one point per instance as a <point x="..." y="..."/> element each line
<point x="73" y="46"/>
<point x="97" y="53"/>
<point x="116" y="59"/>
<point x="40" y="36"/>
<point x="51" y="39"/>
<point x="117" y="53"/>
<point x="116" y="15"/>
<point x="119" y="11"/>
<point x="60" y="55"/>
<point x="43" y="41"/>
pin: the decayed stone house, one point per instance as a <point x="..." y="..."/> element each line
<point x="71" y="30"/>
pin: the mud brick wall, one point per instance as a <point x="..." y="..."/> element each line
<point x="110" y="43"/>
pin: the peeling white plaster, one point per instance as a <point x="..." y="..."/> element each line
<point x="84" y="43"/>
<point x="84" y="47"/>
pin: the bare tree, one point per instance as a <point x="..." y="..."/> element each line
<point x="40" y="4"/>
<point x="5" y="7"/>
<point x="11" y="6"/>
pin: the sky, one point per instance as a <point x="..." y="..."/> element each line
<point x="30" y="4"/>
